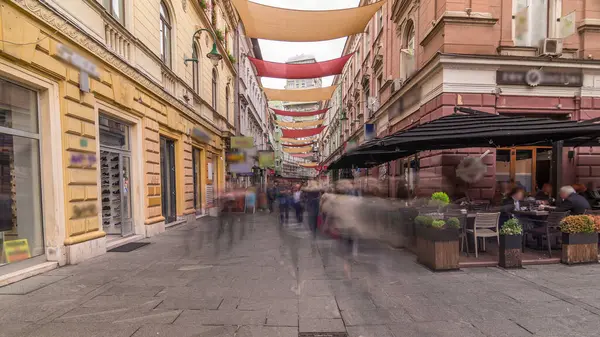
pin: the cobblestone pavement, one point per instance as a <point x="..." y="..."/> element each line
<point x="276" y="283"/>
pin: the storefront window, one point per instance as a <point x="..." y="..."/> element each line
<point x="20" y="202"/>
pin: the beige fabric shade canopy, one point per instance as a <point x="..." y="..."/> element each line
<point x="298" y="141"/>
<point x="279" y="24"/>
<point x="298" y="149"/>
<point x="309" y="165"/>
<point x="297" y="125"/>
<point x="300" y="95"/>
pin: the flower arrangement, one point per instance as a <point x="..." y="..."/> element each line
<point x="511" y="227"/>
<point x="438" y="224"/>
<point x="578" y="224"/>
<point x="453" y="223"/>
<point x="219" y="34"/>
<point x="423" y="220"/>
<point x="440" y="198"/>
<point x="596" y="219"/>
<point x="231" y="58"/>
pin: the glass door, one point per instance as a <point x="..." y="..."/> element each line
<point x="526" y="167"/>
<point x="126" y="188"/>
<point x="196" y="164"/>
<point x="167" y="173"/>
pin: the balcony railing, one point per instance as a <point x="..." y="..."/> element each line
<point x="117" y="41"/>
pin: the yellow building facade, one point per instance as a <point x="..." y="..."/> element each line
<point x="106" y="134"/>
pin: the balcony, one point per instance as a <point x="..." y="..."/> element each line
<point x="168" y="80"/>
<point x="117" y="40"/>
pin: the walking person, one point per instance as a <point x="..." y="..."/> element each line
<point x="271" y="195"/>
<point x="284" y="204"/>
<point x="312" y="195"/>
<point x="297" y="203"/>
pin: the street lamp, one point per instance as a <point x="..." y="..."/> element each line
<point x="213" y="56"/>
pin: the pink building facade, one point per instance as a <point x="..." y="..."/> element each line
<point x="417" y="60"/>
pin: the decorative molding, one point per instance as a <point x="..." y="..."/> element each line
<point x="458" y="17"/>
<point x="67" y="29"/>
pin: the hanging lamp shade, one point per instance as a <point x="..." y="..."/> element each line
<point x="300" y="95"/>
<point x="300" y="71"/>
<point x="297" y="125"/>
<point x="287" y="133"/>
<point x="280" y="24"/>
<point x="299" y="113"/>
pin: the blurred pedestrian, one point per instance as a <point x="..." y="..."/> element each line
<point x="297" y="203"/>
<point x="283" y="196"/>
<point x="312" y="195"/>
<point x="271" y="195"/>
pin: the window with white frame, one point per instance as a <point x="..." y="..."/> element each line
<point x="367" y="41"/>
<point x="165" y="35"/>
<point x="534" y="21"/>
<point x="116" y="9"/>
<point x="407" y="55"/>
<point x="196" y="69"/>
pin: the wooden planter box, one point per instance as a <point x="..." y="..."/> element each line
<point x="510" y="251"/>
<point x="579" y="248"/>
<point x="438" y="249"/>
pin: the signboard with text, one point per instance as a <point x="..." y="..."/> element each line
<point x="242" y="142"/>
<point x="536" y="77"/>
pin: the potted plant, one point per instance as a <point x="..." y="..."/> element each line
<point x="579" y="239"/>
<point x="231" y="58"/>
<point x="203" y="4"/>
<point x="219" y="34"/>
<point x="511" y="238"/>
<point x="437" y="242"/>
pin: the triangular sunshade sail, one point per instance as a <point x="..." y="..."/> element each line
<point x="300" y="95"/>
<point x="300" y="124"/>
<point x="280" y="24"/>
<point x="300" y="71"/>
<point x="299" y="113"/>
<point x="298" y="141"/>
<point x="298" y="149"/>
<point x="298" y="145"/>
<point x="301" y="133"/>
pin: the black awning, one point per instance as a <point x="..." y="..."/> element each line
<point x="365" y="159"/>
<point x="473" y="129"/>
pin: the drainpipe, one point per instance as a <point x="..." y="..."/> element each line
<point x="236" y="99"/>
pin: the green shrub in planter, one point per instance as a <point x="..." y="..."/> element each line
<point x="577" y="224"/>
<point x="511" y="227"/>
<point x="440" y="198"/>
<point x="423" y="220"/>
<point x="453" y="223"/>
<point x="438" y="224"/>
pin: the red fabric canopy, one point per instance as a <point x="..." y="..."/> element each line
<point x="297" y="145"/>
<point x="287" y="133"/>
<point x="300" y="71"/>
<point x="302" y="155"/>
<point x="299" y="113"/>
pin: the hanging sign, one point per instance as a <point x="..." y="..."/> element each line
<point x="266" y="159"/>
<point x="77" y="60"/>
<point x="369" y="131"/>
<point x="235" y="157"/>
<point x="199" y="135"/>
<point x="242" y="142"/>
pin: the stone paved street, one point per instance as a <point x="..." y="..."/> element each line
<point x="179" y="286"/>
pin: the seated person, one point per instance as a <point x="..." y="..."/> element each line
<point x="572" y="201"/>
<point x="511" y="204"/>
<point x="545" y="194"/>
<point x="591" y="194"/>
<point x="501" y="193"/>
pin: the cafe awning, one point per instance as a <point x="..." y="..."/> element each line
<point x="468" y="129"/>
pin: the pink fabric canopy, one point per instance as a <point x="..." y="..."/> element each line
<point x="300" y="71"/>
<point x="299" y="113"/>
<point x="287" y="133"/>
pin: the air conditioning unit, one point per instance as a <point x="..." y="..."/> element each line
<point x="397" y="84"/>
<point x="550" y="47"/>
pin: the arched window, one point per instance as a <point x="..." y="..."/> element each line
<point x="214" y="88"/>
<point x="227" y="102"/>
<point x="165" y="35"/>
<point x="407" y="55"/>
<point x="116" y="8"/>
<point x="196" y="69"/>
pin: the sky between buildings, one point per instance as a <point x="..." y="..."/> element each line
<point x="278" y="51"/>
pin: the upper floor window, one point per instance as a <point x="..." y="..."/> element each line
<point x="196" y="69"/>
<point x="227" y="102"/>
<point x="533" y="21"/>
<point x="379" y="19"/>
<point x="407" y="56"/>
<point x="367" y="41"/>
<point x="116" y="9"/>
<point x="165" y="35"/>
<point x="214" y="88"/>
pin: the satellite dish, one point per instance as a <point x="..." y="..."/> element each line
<point x="472" y="169"/>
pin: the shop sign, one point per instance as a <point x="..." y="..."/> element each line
<point x="77" y="61"/>
<point x="242" y="142"/>
<point x="235" y="157"/>
<point x="266" y="159"/>
<point x="536" y="77"/>
<point x="369" y="131"/>
<point x="200" y="135"/>
<point x="16" y="250"/>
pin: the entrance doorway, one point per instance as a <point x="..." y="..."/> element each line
<point x="167" y="175"/>
<point x="197" y="164"/>
<point x="115" y="167"/>
<point x="526" y="167"/>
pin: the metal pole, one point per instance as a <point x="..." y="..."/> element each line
<point x="556" y="167"/>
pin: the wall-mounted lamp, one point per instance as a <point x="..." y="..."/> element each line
<point x="213" y="56"/>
